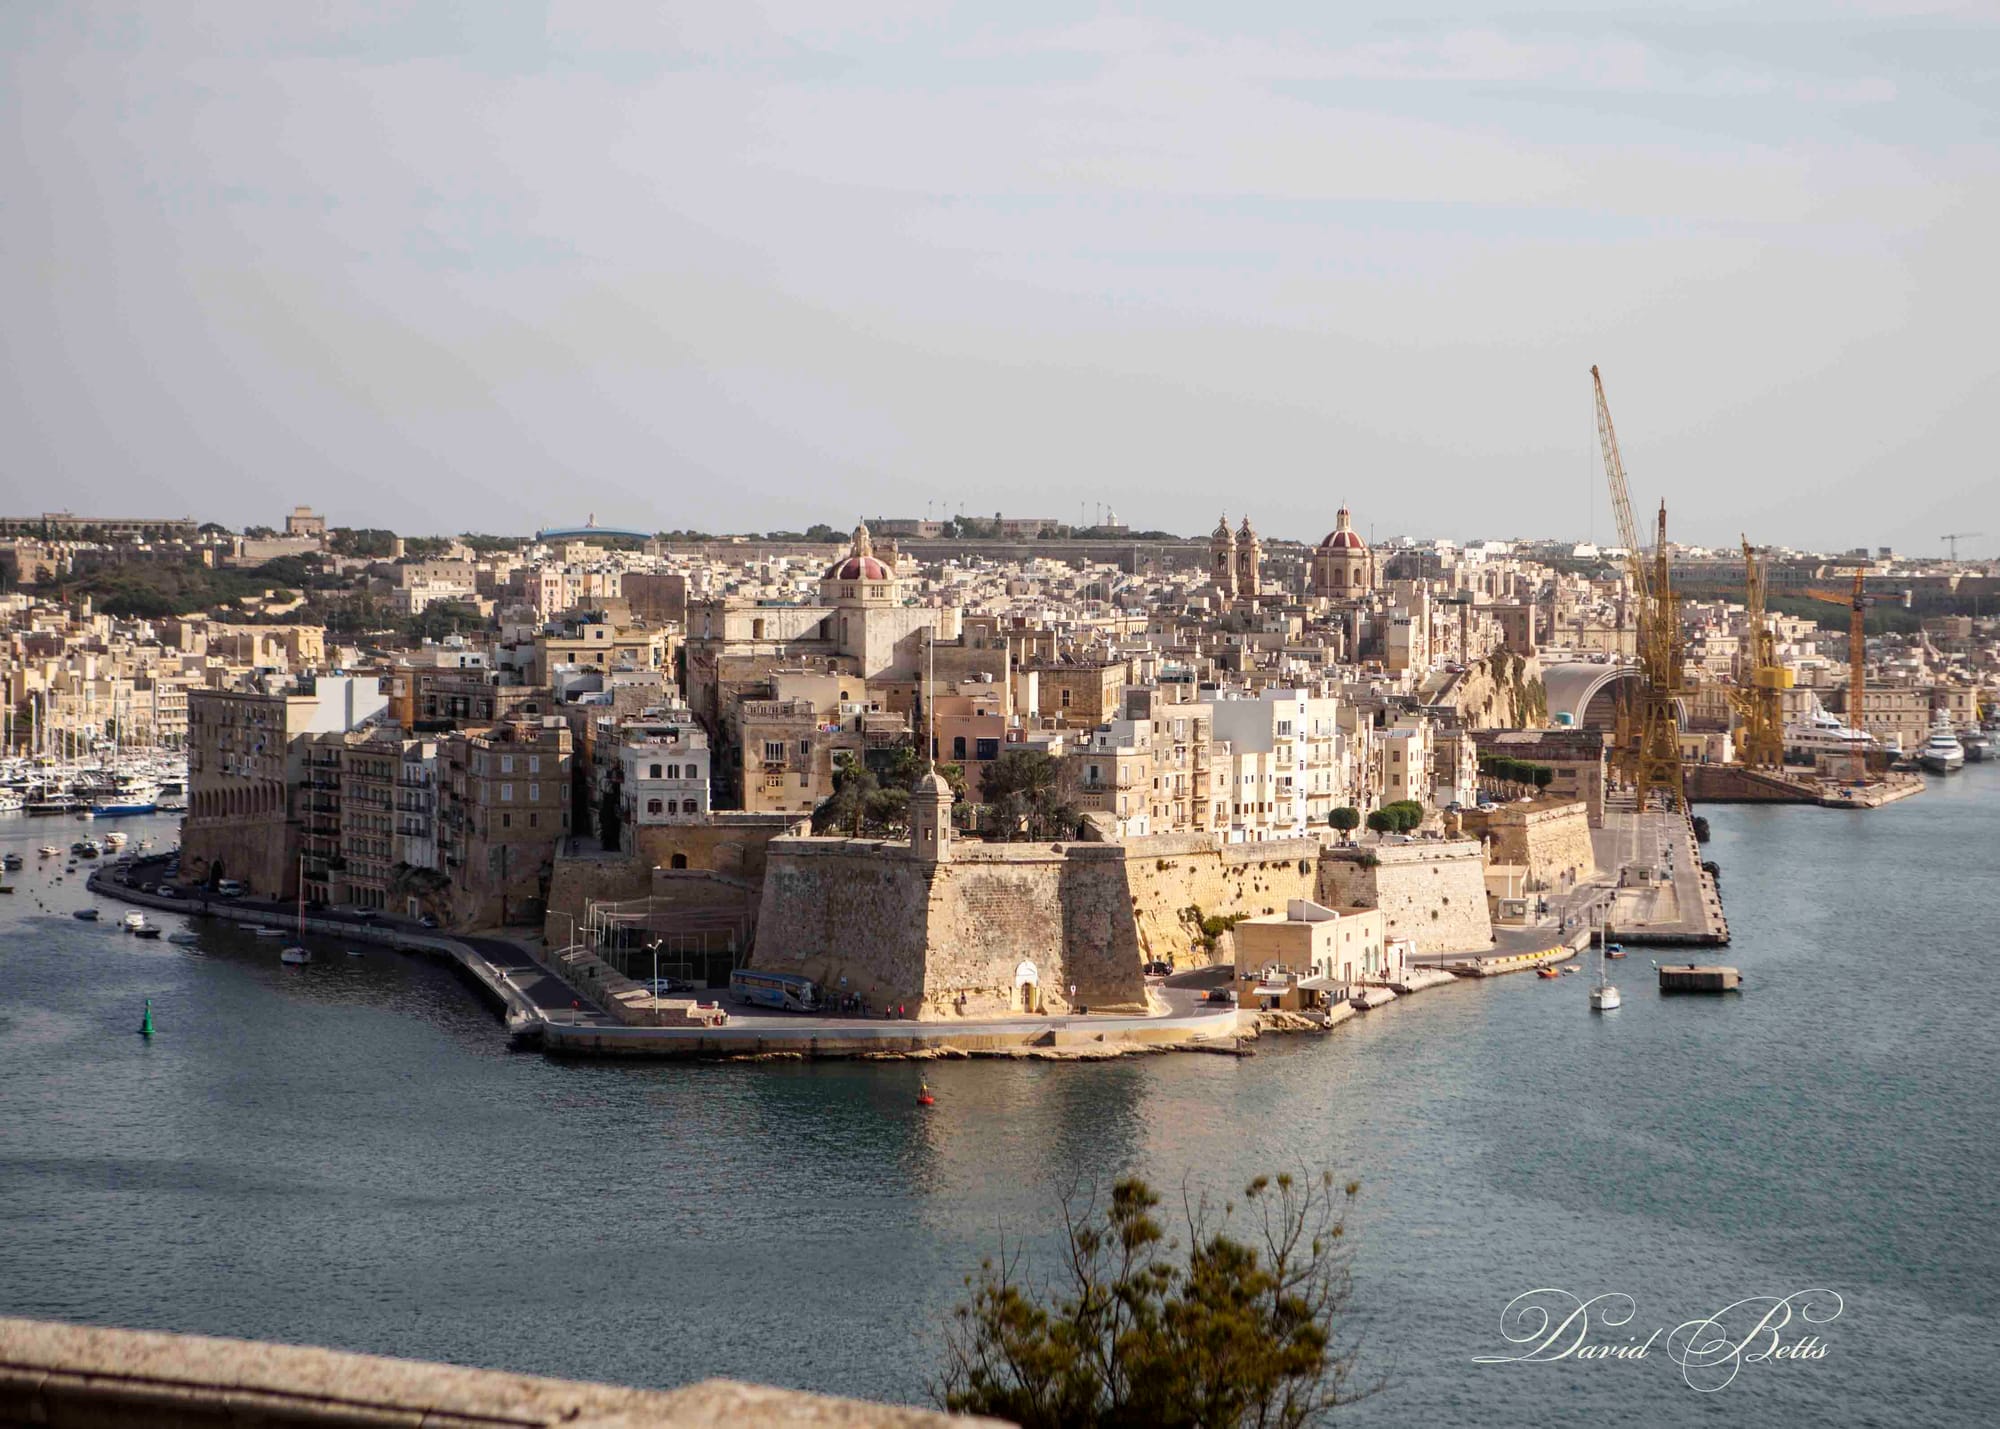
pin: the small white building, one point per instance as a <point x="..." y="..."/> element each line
<point x="666" y="773"/>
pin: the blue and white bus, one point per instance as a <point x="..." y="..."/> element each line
<point x="787" y="992"/>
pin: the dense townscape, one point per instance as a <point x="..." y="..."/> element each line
<point x="896" y="764"/>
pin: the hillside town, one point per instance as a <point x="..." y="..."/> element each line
<point x="748" y="749"/>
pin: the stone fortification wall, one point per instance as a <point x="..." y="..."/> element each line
<point x="1433" y="893"/>
<point x="1552" y="841"/>
<point x="574" y="883"/>
<point x="857" y="909"/>
<point x="1088" y="915"/>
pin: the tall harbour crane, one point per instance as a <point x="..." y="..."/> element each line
<point x="1857" y="645"/>
<point x="1952" y="538"/>
<point x="1760" y="698"/>
<point x="1650" y="756"/>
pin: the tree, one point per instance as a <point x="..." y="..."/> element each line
<point x="1345" y="820"/>
<point x="846" y="808"/>
<point x="1032" y="795"/>
<point x="1244" y="1330"/>
<point x="1380" y="822"/>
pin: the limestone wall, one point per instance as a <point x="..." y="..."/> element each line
<point x="846" y="908"/>
<point x="1550" y="840"/>
<point x="1433" y="893"/>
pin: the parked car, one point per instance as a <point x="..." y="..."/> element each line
<point x="1159" y="969"/>
<point x="229" y="888"/>
<point x="1221" y="994"/>
<point x="666" y="986"/>
<point x="427" y="921"/>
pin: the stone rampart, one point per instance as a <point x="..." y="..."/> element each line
<point x="1431" y="892"/>
<point x="1550" y="840"/>
<point x="1011" y="927"/>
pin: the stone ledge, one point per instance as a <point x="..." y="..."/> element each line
<point x="75" y="1375"/>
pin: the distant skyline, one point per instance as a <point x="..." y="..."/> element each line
<point x="462" y="266"/>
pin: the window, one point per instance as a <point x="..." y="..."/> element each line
<point x="534" y="821"/>
<point x="652" y="806"/>
<point x="534" y="763"/>
<point x="506" y="793"/>
<point x="805" y="749"/>
<point x="506" y="821"/>
<point x="656" y="772"/>
<point x="1065" y="699"/>
<point x="687" y="807"/>
<point x="958" y="746"/>
<point x="987" y="749"/>
<point x="774" y="751"/>
<point x="534" y="793"/>
<point x="506" y="764"/>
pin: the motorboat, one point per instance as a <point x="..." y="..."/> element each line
<point x="1549" y="973"/>
<point x="1942" y="753"/>
<point x="1978" y="746"/>
<point x="134" y="921"/>
<point x="88" y="915"/>
<point x="48" y="851"/>
<point x="115" y="840"/>
<point x="268" y="933"/>
<point x="296" y="954"/>
<point x="11" y="803"/>
<point x="185" y="938"/>
<point x="146" y="930"/>
<point x="11" y="862"/>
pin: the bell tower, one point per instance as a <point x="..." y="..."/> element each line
<point x="1222" y="558"/>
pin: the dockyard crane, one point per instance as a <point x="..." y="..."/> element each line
<point x="1952" y="538"/>
<point x="1652" y="760"/>
<point x="1760" y="699"/>
<point x="1857" y="644"/>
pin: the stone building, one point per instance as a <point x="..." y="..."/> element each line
<point x="504" y="809"/>
<point x="665" y="774"/>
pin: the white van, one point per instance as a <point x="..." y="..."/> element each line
<point x="229" y="888"/>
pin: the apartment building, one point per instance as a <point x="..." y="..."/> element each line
<point x="1286" y="759"/>
<point x="503" y="810"/>
<point x="664" y="774"/>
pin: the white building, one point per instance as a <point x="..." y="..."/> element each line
<point x="666" y="773"/>
<point x="1282" y="755"/>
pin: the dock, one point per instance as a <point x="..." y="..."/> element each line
<point x="1699" y="977"/>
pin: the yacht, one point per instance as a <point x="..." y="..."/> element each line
<point x="1604" y="995"/>
<point x="1821" y="733"/>
<point x="1942" y="753"/>
<point x="1978" y="745"/>
<point x="127" y="796"/>
<point x="11" y="803"/>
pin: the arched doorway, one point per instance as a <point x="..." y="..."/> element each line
<point x="1027" y="988"/>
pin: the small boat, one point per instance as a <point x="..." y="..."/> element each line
<point x="261" y="932"/>
<point x="12" y="861"/>
<point x="88" y="915"/>
<point x="48" y="851"/>
<point x="1547" y="973"/>
<point x="354" y="952"/>
<point x="146" y="930"/>
<point x="115" y="840"/>
<point x="295" y="955"/>
<point x="185" y="937"/>
<point x="1614" y="950"/>
<point x="6" y="888"/>
<point x="298" y="952"/>
<point x="134" y="921"/>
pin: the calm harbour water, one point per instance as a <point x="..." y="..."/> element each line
<point x="347" y="1155"/>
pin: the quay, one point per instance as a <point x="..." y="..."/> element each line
<point x="1733" y="784"/>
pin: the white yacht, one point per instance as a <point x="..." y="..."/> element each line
<point x="1942" y="753"/>
<point x="1821" y="733"/>
<point x="1604" y="995"/>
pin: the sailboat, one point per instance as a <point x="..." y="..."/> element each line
<point x="1604" y="996"/>
<point x="298" y="952"/>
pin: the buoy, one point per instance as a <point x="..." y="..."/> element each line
<point x="146" y="1024"/>
<point x="924" y="1097"/>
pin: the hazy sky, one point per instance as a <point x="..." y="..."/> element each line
<point x="485" y="265"/>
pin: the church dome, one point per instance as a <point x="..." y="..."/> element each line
<point x="858" y="568"/>
<point x="1343" y="537"/>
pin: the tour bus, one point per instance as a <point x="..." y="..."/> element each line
<point x="787" y="992"/>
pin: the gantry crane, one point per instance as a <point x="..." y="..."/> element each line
<point x="1652" y="759"/>
<point x="1759" y="698"/>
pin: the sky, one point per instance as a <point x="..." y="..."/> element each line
<point x="490" y="266"/>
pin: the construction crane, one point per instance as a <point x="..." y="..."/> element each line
<point x="1652" y="759"/>
<point x="1857" y="644"/>
<point x="1952" y="538"/>
<point x="1762" y="681"/>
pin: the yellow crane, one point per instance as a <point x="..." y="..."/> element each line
<point x="1652" y="760"/>
<point x="1759" y="697"/>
